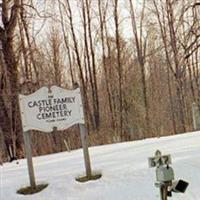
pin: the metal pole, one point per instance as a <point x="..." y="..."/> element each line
<point x="163" y="192"/>
<point x="84" y="141"/>
<point x="28" y="152"/>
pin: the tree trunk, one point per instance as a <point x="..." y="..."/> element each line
<point x="119" y="69"/>
<point x="13" y="139"/>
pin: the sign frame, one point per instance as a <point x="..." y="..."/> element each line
<point x="58" y="108"/>
<point x="27" y="127"/>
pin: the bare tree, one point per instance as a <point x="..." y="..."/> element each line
<point x="94" y="67"/>
<point x="78" y="59"/>
<point x="141" y="54"/>
<point x="102" y="18"/>
<point x="119" y="68"/>
<point x="67" y="44"/>
<point x="9" y="15"/>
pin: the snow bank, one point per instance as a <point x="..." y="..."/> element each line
<point x="124" y="166"/>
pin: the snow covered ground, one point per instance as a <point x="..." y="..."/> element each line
<point x="124" y="166"/>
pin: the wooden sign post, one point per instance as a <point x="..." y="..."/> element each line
<point x="84" y="141"/>
<point x="27" y="143"/>
<point x="46" y="109"/>
<point x="84" y="137"/>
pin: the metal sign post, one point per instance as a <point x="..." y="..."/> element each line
<point x="165" y="176"/>
<point x="164" y="173"/>
<point x="164" y="191"/>
<point x="163" y="195"/>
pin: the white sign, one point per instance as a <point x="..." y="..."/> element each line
<point x="43" y="110"/>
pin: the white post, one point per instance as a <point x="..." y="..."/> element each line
<point x="194" y="116"/>
<point x="28" y="152"/>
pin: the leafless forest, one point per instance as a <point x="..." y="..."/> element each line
<point x="137" y="62"/>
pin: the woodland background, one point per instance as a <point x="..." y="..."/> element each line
<point x="137" y="63"/>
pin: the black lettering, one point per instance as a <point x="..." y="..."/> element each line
<point x="39" y="116"/>
<point x="30" y="104"/>
<point x="64" y="100"/>
<point x="70" y="112"/>
<point x="73" y="99"/>
<point x="62" y="119"/>
<point x="53" y="115"/>
<point x="50" y="121"/>
<point x="46" y="115"/>
<point x="39" y="103"/>
<point x="67" y="113"/>
<point x="64" y="106"/>
<point x="41" y="108"/>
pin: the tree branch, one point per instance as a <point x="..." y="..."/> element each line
<point x="189" y="54"/>
<point x="196" y="4"/>
<point x="37" y="12"/>
<point x="4" y="12"/>
<point x="1" y="33"/>
<point x="13" y="16"/>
